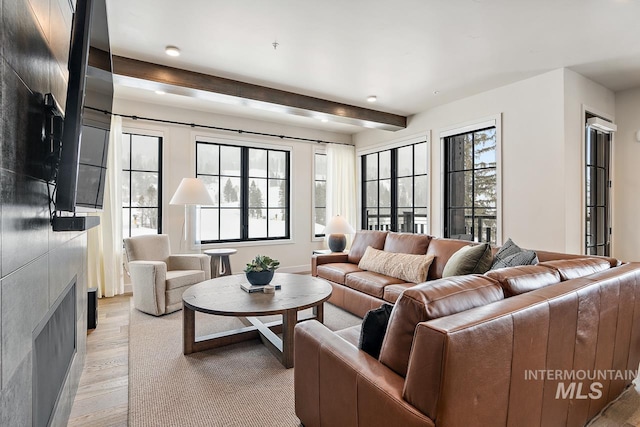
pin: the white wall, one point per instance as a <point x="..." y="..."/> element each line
<point x="533" y="181"/>
<point x="542" y="153"/>
<point x="179" y="162"/>
<point x="626" y="177"/>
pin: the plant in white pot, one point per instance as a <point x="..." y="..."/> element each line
<point x="261" y="269"/>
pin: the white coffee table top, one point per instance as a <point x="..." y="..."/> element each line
<point x="221" y="251"/>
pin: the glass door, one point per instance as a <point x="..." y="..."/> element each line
<point x="598" y="184"/>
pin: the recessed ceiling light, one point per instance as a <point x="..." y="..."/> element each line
<point x="435" y="92"/>
<point x="324" y="120"/>
<point x="372" y="98"/>
<point x="172" y="51"/>
<point x="160" y="92"/>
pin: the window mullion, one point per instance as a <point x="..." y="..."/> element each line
<point x="266" y="208"/>
<point x="363" y="184"/>
<point x="159" y="195"/>
<point x="287" y="223"/>
<point x="378" y="193"/>
<point x="244" y="180"/>
<point x="473" y="186"/>
<point x="394" y="189"/>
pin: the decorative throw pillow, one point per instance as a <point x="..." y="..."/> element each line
<point x="374" y="326"/>
<point x="474" y="259"/>
<point x="511" y="255"/>
<point x="521" y="258"/>
<point x="508" y="249"/>
<point x="408" y="267"/>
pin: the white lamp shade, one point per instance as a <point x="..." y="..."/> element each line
<point x="338" y="225"/>
<point x="191" y="191"/>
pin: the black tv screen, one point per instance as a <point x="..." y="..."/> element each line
<point x="85" y="142"/>
<point x="67" y="177"/>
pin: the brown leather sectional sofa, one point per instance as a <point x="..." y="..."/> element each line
<point x="542" y="345"/>
<point x="359" y="291"/>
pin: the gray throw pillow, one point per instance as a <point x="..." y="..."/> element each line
<point x="521" y="258"/>
<point x="474" y="259"/>
<point x="507" y="250"/>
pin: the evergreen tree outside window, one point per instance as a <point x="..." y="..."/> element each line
<point x="395" y="189"/>
<point x="320" y="194"/>
<point x="470" y="186"/>
<point x="250" y="189"/>
<point x="142" y="185"/>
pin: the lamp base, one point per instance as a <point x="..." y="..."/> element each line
<point x="337" y="242"/>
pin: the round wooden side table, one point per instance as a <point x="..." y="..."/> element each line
<point x="220" y="265"/>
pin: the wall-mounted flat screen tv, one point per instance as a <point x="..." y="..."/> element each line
<point x="85" y="140"/>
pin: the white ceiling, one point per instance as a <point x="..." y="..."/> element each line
<point x="402" y="50"/>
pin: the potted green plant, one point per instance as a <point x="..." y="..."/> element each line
<point x="261" y="269"/>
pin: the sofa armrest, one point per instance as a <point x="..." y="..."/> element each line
<point x="338" y="384"/>
<point x="320" y="259"/>
<point x="148" y="279"/>
<point x="191" y="262"/>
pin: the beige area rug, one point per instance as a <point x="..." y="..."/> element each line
<point x="622" y="412"/>
<point x="237" y="385"/>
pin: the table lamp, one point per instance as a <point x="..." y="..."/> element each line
<point x="336" y="230"/>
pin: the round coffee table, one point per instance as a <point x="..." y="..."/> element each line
<point x="224" y="297"/>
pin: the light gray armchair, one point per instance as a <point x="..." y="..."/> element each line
<point x="159" y="278"/>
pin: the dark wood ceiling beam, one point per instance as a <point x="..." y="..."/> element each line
<point x="261" y="96"/>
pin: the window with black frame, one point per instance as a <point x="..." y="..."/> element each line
<point x="395" y="189"/>
<point x="250" y="190"/>
<point x="470" y="201"/>
<point x="141" y="184"/>
<point x="319" y="193"/>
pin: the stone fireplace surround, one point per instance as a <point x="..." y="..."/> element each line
<point x="36" y="264"/>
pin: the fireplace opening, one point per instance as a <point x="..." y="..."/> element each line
<point x="54" y="346"/>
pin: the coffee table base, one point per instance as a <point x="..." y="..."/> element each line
<point x="267" y="332"/>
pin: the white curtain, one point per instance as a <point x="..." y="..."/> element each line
<point x="104" y="269"/>
<point x="341" y="182"/>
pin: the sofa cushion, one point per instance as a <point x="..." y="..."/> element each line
<point x="577" y="267"/>
<point x="179" y="278"/>
<point x="428" y="301"/>
<point x="407" y="243"/>
<point x="392" y="292"/>
<point x="469" y="260"/>
<point x="351" y="334"/>
<point x="336" y="271"/>
<point x="525" y="278"/>
<point x="521" y="258"/>
<point x="410" y="268"/>
<point x="442" y="249"/>
<point x="364" y="239"/>
<point x="374" y="326"/>
<point x="370" y="283"/>
<point x="553" y="256"/>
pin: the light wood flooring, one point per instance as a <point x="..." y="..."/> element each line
<point x="103" y="397"/>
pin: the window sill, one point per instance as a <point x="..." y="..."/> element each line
<point x="244" y="244"/>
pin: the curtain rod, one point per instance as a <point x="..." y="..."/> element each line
<point x="239" y="131"/>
